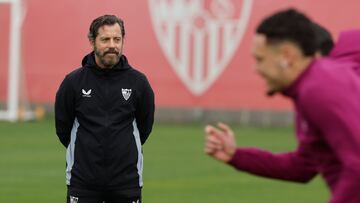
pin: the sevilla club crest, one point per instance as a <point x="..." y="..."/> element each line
<point x="199" y="37"/>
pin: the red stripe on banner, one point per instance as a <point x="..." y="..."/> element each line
<point x="191" y="70"/>
<point x="220" y="44"/>
<point x="177" y="42"/>
<point x="206" y="57"/>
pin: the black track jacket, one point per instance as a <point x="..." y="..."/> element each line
<point x="102" y="117"/>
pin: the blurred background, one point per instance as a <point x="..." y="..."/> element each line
<point x="197" y="56"/>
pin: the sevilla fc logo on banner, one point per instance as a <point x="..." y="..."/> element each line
<point x="199" y="37"/>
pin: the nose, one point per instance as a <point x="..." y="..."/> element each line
<point x="111" y="43"/>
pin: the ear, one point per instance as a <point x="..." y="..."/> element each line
<point x="92" y="43"/>
<point x="289" y="54"/>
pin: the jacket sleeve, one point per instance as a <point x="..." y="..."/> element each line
<point x="336" y="115"/>
<point x="64" y="111"/>
<point x="290" y="166"/>
<point x="145" y="111"/>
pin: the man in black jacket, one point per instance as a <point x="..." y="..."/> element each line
<point x="104" y="112"/>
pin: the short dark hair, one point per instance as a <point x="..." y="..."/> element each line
<point x="290" y="25"/>
<point x="104" y="20"/>
<point x="324" y="41"/>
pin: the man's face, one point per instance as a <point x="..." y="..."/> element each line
<point x="108" y="46"/>
<point x="269" y="64"/>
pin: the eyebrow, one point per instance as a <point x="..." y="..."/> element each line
<point x="105" y="37"/>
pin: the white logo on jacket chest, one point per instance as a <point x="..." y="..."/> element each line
<point x="74" y="199"/>
<point x="126" y="93"/>
<point x="86" y="93"/>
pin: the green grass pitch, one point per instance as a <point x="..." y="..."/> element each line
<point x="32" y="165"/>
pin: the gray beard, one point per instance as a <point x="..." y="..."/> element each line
<point x="107" y="63"/>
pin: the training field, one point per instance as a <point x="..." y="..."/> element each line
<point x="32" y="164"/>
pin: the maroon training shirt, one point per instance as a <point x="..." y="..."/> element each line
<point x="327" y="113"/>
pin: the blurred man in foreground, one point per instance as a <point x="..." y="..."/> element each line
<point x="326" y="96"/>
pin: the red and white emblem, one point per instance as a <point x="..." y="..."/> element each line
<point x="199" y="37"/>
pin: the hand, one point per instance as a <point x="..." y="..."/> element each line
<point x="220" y="142"/>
